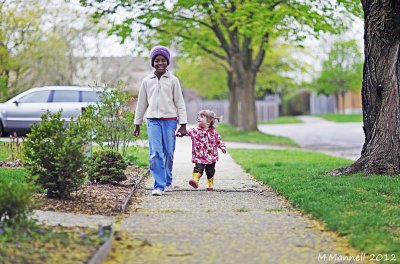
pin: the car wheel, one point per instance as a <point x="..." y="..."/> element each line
<point x="1" y="129"/>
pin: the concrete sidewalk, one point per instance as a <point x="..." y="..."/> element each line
<point x="241" y="221"/>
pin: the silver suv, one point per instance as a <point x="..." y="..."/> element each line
<point x="22" y="111"/>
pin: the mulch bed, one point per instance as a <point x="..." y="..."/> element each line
<point x="11" y="163"/>
<point x="99" y="199"/>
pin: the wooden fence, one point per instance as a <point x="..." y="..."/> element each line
<point x="266" y="109"/>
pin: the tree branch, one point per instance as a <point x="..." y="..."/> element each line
<point x="214" y="53"/>
<point x="218" y="32"/>
<point x="261" y="53"/>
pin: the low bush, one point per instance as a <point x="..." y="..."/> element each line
<point x="54" y="154"/>
<point x="106" y="166"/>
<point x="15" y="201"/>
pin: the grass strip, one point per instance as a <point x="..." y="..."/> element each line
<point x="364" y="209"/>
<point x="229" y="133"/>
<point x="342" y="118"/>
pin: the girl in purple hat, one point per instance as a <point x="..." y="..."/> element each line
<point x="160" y="97"/>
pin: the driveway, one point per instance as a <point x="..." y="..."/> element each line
<point x="316" y="134"/>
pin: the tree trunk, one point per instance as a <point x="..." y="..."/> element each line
<point x="343" y="95"/>
<point x="247" y="120"/>
<point x="243" y="79"/>
<point x="233" y="101"/>
<point x="380" y="91"/>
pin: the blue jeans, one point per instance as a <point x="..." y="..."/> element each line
<point x="162" y="139"/>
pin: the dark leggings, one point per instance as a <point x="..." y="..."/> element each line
<point x="209" y="168"/>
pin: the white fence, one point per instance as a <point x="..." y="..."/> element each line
<point x="322" y="104"/>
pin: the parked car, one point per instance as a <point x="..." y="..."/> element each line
<point x="22" y="111"/>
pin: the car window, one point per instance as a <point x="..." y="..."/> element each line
<point x="35" y="97"/>
<point x="65" y="96"/>
<point x="90" y="96"/>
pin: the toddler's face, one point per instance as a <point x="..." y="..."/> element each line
<point x="202" y="121"/>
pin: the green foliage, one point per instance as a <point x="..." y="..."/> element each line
<point x="296" y="103"/>
<point x="13" y="175"/>
<point x="192" y="24"/>
<point x="208" y="80"/>
<point x="278" y="73"/>
<point x="340" y="201"/>
<point x="3" y="88"/>
<point x="237" y="34"/>
<point x="106" y="166"/>
<point x="54" y="154"/>
<point x="15" y="200"/>
<point x="111" y="120"/>
<point x="19" y="32"/>
<point x="342" y="70"/>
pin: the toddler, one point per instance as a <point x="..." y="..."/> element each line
<point x="205" y="144"/>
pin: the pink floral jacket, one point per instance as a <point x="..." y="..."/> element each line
<point x="205" y="144"/>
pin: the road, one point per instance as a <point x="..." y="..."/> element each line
<point x="337" y="139"/>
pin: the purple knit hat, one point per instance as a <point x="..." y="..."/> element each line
<point x="159" y="50"/>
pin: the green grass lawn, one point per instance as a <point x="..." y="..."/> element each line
<point x="228" y="133"/>
<point x="366" y="210"/>
<point x="342" y="118"/>
<point x="283" y="120"/>
<point x="6" y="152"/>
<point x="14" y="175"/>
<point x="142" y="155"/>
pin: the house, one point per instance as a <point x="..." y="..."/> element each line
<point x="128" y="69"/>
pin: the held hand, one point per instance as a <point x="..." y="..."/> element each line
<point x="136" y="133"/>
<point x="181" y="131"/>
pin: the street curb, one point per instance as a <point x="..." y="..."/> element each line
<point x="121" y="208"/>
<point x="105" y="249"/>
<point x="102" y="253"/>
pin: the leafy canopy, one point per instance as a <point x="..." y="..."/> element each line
<point x="200" y="26"/>
<point x="342" y="70"/>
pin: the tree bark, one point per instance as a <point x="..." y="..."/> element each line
<point x="247" y="119"/>
<point x="233" y="101"/>
<point x="380" y="91"/>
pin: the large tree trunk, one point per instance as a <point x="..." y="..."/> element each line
<point x="380" y="91"/>
<point x="233" y="101"/>
<point x="243" y="78"/>
<point x="247" y="120"/>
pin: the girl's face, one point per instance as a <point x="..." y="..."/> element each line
<point x="203" y="122"/>
<point x="160" y="64"/>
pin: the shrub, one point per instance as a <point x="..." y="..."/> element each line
<point x="54" y="154"/>
<point x="106" y="166"/>
<point x="15" y="200"/>
<point x="111" y="119"/>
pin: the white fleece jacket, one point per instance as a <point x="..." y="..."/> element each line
<point x="160" y="99"/>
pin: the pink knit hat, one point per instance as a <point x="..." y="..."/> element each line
<point x="159" y="50"/>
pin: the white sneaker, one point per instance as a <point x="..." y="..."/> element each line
<point x="157" y="192"/>
<point x="169" y="188"/>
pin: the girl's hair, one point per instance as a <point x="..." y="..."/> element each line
<point x="211" y="116"/>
